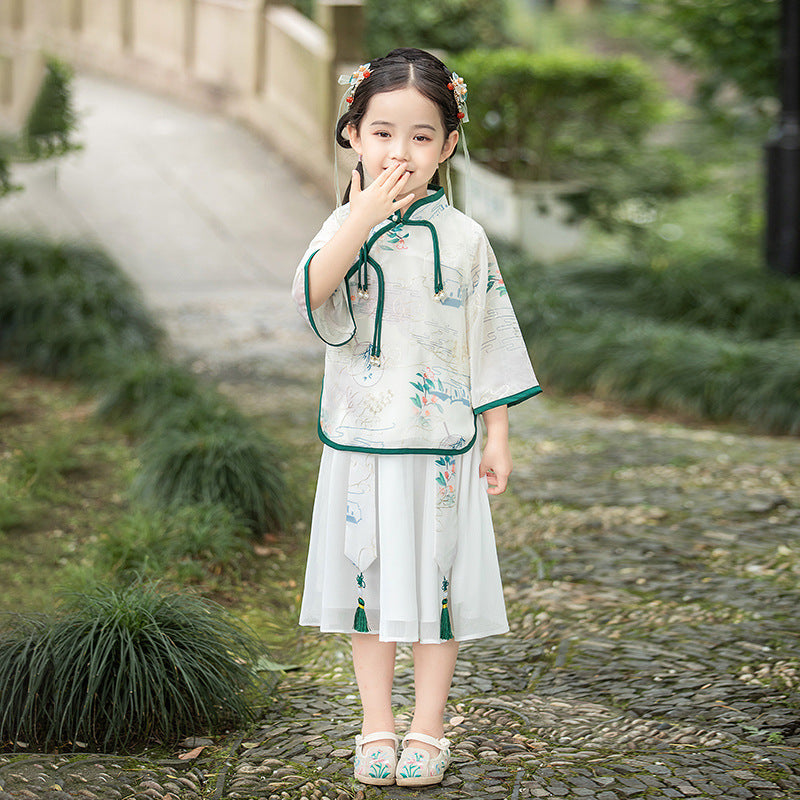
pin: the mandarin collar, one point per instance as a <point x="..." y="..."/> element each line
<point x="422" y="207"/>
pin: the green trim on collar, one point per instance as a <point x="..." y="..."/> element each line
<point x="510" y="401"/>
<point x="311" y="313"/>
<point x="431" y="198"/>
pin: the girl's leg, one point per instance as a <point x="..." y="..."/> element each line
<point x="433" y="674"/>
<point x="373" y="662"/>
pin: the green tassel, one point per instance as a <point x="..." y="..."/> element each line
<point x="360" y="621"/>
<point x="445" y="631"/>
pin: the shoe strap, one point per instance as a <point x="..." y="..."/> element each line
<point x="442" y="743"/>
<point x="375" y="737"/>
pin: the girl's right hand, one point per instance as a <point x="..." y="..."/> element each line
<point x="379" y="200"/>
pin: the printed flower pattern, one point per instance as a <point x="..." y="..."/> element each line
<point x="445" y="478"/>
<point x="496" y="282"/>
<point x="430" y="396"/>
<point x="396" y="238"/>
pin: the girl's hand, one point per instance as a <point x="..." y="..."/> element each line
<point x="378" y="201"/>
<point x="496" y="464"/>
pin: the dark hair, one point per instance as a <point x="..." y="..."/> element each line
<point x="402" y="68"/>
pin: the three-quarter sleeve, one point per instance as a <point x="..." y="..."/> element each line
<point x="333" y="321"/>
<point x="500" y="368"/>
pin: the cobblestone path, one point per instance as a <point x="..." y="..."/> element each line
<point x="651" y="573"/>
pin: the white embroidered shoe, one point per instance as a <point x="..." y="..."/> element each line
<point x="417" y="767"/>
<point x="375" y="765"/>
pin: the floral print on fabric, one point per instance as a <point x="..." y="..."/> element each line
<point x="408" y="368"/>
<point x="445" y="479"/>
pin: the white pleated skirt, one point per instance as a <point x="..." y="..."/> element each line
<point x="402" y="533"/>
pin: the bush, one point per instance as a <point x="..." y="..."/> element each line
<point x="144" y="390"/>
<point x="728" y="40"/>
<point x="184" y="544"/>
<point x="555" y="116"/>
<point x="207" y="452"/>
<point x="67" y="310"/>
<point x="718" y="341"/>
<point x="51" y="122"/>
<point x="121" y="669"/>
<point x="447" y="25"/>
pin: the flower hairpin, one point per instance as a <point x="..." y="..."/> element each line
<point x="354" y="80"/>
<point x="459" y="89"/>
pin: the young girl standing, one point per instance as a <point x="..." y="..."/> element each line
<point x="405" y="291"/>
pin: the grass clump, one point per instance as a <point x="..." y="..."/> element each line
<point x="121" y="669"/>
<point x="143" y="391"/>
<point x="716" y="340"/>
<point x="185" y="545"/>
<point x="68" y="310"/>
<point x="207" y="452"/>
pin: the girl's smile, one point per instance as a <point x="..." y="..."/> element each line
<point x="402" y="127"/>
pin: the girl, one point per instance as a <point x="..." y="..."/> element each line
<point x="405" y="291"/>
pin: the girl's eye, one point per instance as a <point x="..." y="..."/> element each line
<point x="421" y="138"/>
<point x="382" y="134"/>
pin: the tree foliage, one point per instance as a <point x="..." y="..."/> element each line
<point x="730" y="41"/>
<point x="448" y="25"/>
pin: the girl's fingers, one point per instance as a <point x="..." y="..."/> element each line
<point x="355" y="183"/>
<point x="386" y="176"/>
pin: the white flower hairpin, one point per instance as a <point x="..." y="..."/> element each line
<point x="352" y="81"/>
<point x="459" y="89"/>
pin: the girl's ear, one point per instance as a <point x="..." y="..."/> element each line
<point x="449" y="146"/>
<point x="355" y="139"/>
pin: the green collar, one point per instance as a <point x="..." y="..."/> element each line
<point x="438" y="194"/>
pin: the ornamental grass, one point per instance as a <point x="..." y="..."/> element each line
<point x="206" y="452"/>
<point x="718" y="340"/>
<point x="144" y="390"/>
<point x="123" y="669"/>
<point x="185" y="544"/>
<point x="67" y="310"/>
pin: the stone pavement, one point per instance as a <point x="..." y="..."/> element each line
<point x="651" y="572"/>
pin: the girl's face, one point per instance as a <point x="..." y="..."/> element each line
<point x="402" y="126"/>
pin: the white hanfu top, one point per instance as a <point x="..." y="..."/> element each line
<point x="421" y="333"/>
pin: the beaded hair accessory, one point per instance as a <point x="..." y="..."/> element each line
<point x="459" y="89"/>
<point x="352" y="81"/>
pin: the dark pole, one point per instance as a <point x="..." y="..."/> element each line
<point x="783" y="154"/>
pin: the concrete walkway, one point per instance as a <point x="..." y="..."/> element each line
<point x="201" y="214"/>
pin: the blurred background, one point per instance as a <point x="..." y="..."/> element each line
<point x="163" y="164"/>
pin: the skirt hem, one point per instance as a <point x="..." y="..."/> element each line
<point x="467" y="638"/>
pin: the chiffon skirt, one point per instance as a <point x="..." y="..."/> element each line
<point x="403" y="533"/>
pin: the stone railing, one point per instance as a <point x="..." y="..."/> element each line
<point x="263" y="63"/>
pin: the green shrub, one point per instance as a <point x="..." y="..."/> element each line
<point x="51" y="121"/>
<point x="713" y="340"/>
<point x="120" y="669"/>
<point x="447" y="25"/>
<point x="726" y="40"/>
<point x="658" y="365"/>
<point x="184" y="544"/>
<point x="556" y="116"/>
<point x="207" y="452"/>
<point x="145" y="389"/>
<point x="67" y="310"/>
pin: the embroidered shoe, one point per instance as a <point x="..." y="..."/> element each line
<point x="375" y="765"/>
<point x="417" y="767"/>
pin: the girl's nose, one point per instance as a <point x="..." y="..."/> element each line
<point x="399" y="152"/>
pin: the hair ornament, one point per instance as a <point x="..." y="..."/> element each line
<point x="459" y="89"/>
<point x="352" y="81"/>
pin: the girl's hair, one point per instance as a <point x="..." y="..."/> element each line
<point x="400" y="69"/>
